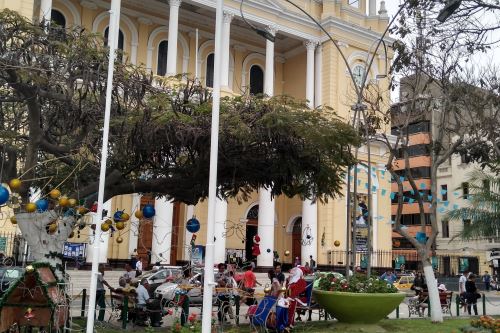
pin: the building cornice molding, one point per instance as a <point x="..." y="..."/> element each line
<point x="368" y="36"/>
<point x="88" y="4"/>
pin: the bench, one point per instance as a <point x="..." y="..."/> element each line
<point x="417" y="306"/>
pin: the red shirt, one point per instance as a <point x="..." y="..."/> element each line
<point x="249" y="279"/>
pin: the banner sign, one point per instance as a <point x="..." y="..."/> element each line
<point x="74" y="250"/>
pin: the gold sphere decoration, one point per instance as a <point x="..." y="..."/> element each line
<point x="336" y="243"/>
<point x="120" y="225"/>
<point x="15" y="184"/>
<point x="138" y="214"/>
<point x="125" y="217"/>
<point x="52" y="228"/>
<point x="105" y="227"/>
<point x="108" y="221"/>
<point x="13" y="220"/>
<point x="30" y="269"/>
<point x="267" y="289"/>
<point x="55" y="193"/>
<point x="119" y="240"/>
<point x="72" y="202"/>
<point x="30" y="207"/>
<point x="287" y="253"/>
<point x="63" y="201"/>
<point x="82" y="210"/>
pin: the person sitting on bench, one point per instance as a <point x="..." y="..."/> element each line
<point x="144" y="303"/>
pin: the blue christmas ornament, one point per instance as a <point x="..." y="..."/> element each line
<point x="193" y="225"/>
<point x="148" y="211"/>
<point x="421" y="237"/>
<point x="42" y="205"/>
<point x="4" y="195"/>
<point x="117" y="216"/>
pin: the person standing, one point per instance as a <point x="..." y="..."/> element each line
<point x="312" y="264"/>
<point x="101" y="293"/>
<point x="487" y="280"/>
<point x="389" y="276"/>
<point x="249" y="283"/>
<point x="461" y="287"/>
<point x="296" y="262"/>
<point x="279" y="274"/>
<point x="138" y="266"/>
<point x="471" y="294"/>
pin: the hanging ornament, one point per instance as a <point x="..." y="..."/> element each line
<point x="4" y="195"/>
<point x="51" y="228"/>
<point x="287" y="253"/>
<point x="255" y="246"/>
<point x="82" y="210"/>
<point x="13" y="220"/>
<point x="55" y="193"/>
<point x="108" y="221"/>
<point x="138" y="214"/>
<point x="15" y="184"/>
<point x="93" y="208"/>
<point x="63" y="201"/>
<point x="193" y="225"/>
<point x="30" y="269"/>
<point x="42" y="205"/>
<point x="120" y="225"/>
<point x="268" y="250"/>
<point x="105" y="227"/>
<point x="30" y="207"/>
<point x="148" y="211"/>
<point x="336" y="243"/>
<point x="117" y="216"/>
<point x="119" y="240"/>
<point x="72" y="202"/>
<point x="125" y="217"/>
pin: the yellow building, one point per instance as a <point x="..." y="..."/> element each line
<point x="301" y="62"/>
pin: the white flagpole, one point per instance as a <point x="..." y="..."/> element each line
<point x="114" y="28"/>
<point x="196" y="57"/>
<point x="212" y="180"/>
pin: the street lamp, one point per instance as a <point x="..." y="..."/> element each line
<point x="448" y="10"/>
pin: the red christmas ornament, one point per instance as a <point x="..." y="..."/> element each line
<point x="93" y="209"/>
<point x="255" y="246"/>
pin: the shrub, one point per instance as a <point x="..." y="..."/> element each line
<point x="356" y="284"/>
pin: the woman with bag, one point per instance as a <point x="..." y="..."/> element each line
<point x="471" y="294"/>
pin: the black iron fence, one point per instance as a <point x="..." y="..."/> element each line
<point x="13" y="249"/>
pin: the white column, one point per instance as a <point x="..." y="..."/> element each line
<point x="173" y="30"/>
<point x="226" y="35"/>
<point x="318" y="76"/>
<point x="372" y="8"/>
<point x="219" y="230"/>
<point x="187" y="234"/>
<point x="100" y="236"/>
<point x="266" y="203"/>
<point x="309" y="208"/>
<point x="162" y="231"/>
<point x="133" y="235"/>
<point x="45" y="10"/>
<point x="269" y="76"/>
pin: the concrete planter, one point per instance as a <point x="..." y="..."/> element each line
<point x="358" y="307"/>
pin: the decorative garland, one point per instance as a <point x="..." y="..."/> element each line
<point x="56" y="255"/>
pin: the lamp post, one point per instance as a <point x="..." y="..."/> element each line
<point x="114" y="26"/>
<point x="212" y="180"/>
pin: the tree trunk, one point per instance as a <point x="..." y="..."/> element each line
<point x="42" y="244"/>
<point x="435" y="303"/>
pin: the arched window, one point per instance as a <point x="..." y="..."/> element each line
<point x="209" y="74"/>
<point x="256" y="80"/>
<point x="57" y="18"/>
<point x="120" y="38"/>
<point x="162" y="58"/>
<point x="253" y="213"/>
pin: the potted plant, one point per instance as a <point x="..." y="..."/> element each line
<point x="357" y="300"/>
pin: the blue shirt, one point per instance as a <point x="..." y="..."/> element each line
<point x="142" y="295"/>
<point x="389" y="278"/>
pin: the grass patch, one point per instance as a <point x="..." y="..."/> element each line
<point x="385" y="326"/>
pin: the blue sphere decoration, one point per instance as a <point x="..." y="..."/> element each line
<point x="193" y="225"/>
<point x="4" y="195"/>
<point x="117" y="216"/>
<point x="421" y="237"/>
<point x="42" y="205"/>
<point x="148" y="211"/>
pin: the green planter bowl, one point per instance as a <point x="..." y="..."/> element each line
<point x="362" y="308"/>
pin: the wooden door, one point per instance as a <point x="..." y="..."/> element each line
<point x="145" y="237"/>
<point x="297" y="239"/>
<point x="175" y="233"/>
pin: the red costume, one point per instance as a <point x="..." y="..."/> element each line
<point x="296" y="289"/>
<point x="255" y="246"/>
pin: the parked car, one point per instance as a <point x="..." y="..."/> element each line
<point x="158" y="277"/>
<point x="7" y="276"/>
<point x="166" y="292"/>
<point x="404" y="282"/>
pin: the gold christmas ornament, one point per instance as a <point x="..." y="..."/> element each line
<point x="120" y="225"/>
<point x="30" y="269"/>
<point x="30" y="207"/>
<point x="15" y="184"/>
<point x="105" y="227"/>
<point x="287" y="253"/>
<point x="138" y="214"/>
<point x="52" y="228"/>
<point x="72" y="202"/>
<point x="13" y="220"/>
<point x="125" y="217"/>
<point x="267" y="289"/>
<point x="119" y="240"/>
<point x="82" y="210"/>
<point x="55" y="193"/>
<point x="336" y="243"/>
<point x="109" y="221"/>
<point x="63" y="201"/>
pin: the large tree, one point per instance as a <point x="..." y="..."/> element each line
<point x="52" y="96"/>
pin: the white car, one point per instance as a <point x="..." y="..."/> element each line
<point x="159" y="277"/>
<point x="166" y="291"/>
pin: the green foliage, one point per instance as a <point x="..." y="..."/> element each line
<point x="159" y="140"/>
<point x="483" y="208"/>
<point x="356" y="284"/>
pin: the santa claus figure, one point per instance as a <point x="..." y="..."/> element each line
<point x="255" y="246"/>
